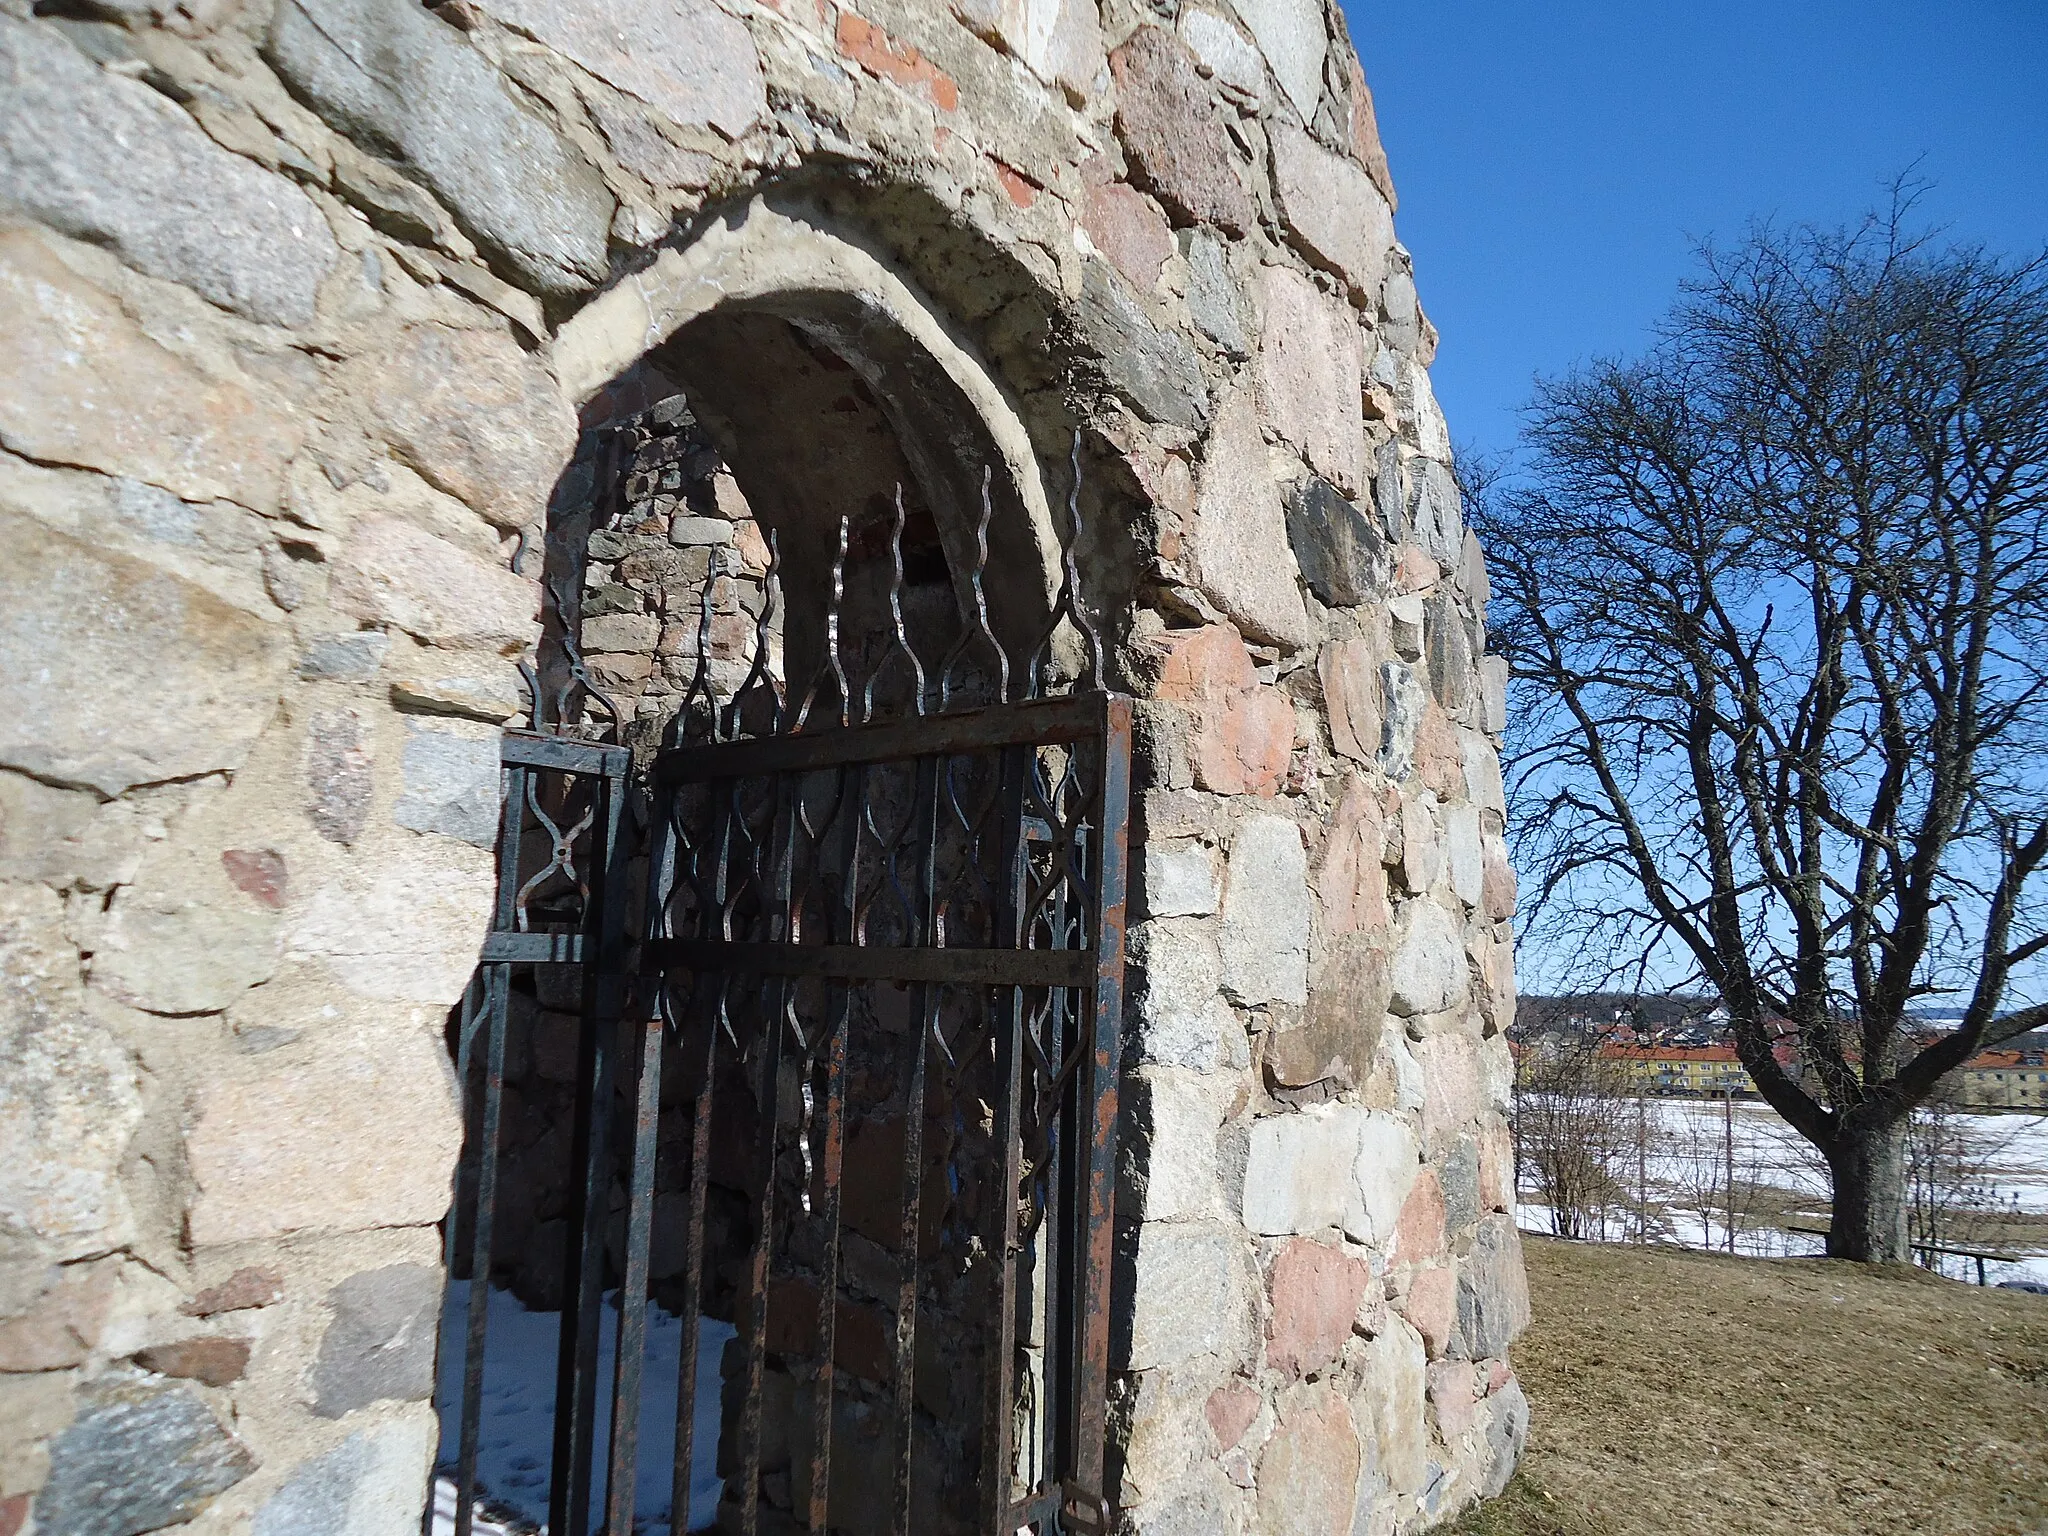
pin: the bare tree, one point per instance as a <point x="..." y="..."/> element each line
<point x="1953" y="1159"/>
<point x="1575" y="1127"/>
<point x="1718" y="1173"/>
<point x="1774" y="595"/>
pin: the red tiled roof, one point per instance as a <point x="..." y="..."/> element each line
<point x="1985" y="1061"/>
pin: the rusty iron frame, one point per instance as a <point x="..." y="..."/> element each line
<point x="754" y="889"/>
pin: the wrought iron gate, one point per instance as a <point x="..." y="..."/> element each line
<point x="880" y="936"/>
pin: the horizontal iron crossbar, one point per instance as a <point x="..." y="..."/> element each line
<point x="1034" y="722"/>
<point x="533" y="948"/>
<point x="877" y="962"/>
<point x="562" y="754"/>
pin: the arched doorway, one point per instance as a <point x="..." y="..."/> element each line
<point x="811" y="1150"/>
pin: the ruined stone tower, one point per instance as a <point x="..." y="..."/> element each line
<point x="311" y="314"/>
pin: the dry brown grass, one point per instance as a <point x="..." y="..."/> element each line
<point x="1681" y="1394"/>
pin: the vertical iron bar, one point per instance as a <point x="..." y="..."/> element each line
<point x="693" y="1267"/>
<point x="498" y="989"/>
<point x="470" y="1020"/>
<point x="853" y="794"/>
<point x="590" y="1189"/>
<point x="721" y="805"/>
<point x="1104" y="1026"/>
<point x="664" y="872"/>
<point x="474" y="999"/>
<point x="756" y="1317"/>
<point x="1000" y="1382"/>
<point x="622" y="1481"/>
<point x="925" y="1015"/>
<point x="1056" y="1297"/>
<point x="759" y="1262"/>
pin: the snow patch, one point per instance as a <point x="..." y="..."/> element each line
<point x="516" y="1437"/>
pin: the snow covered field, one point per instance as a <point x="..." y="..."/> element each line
<point x="516" y="1441"/>
<point x="1685" y="1145"/>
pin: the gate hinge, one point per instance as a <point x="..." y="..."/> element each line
<point x="1084" y="1508"/>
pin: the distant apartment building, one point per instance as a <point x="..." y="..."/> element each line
<point x="1681" y="1047"/>
<point x="2009" y="1079"/>
<point x="1692" y="1070"/>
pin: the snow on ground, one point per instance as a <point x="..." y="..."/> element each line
<point x="516" y="1442"/>
<point x="1685" y="1133"/>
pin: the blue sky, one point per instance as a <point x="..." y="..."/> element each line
<point x="1555" y="160"/>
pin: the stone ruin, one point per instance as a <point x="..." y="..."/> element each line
<point x="319" y="316"/>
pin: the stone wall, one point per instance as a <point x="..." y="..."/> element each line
<point x="303" y="302"/>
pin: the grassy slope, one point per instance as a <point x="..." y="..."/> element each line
<point x="1678" y="1393"/>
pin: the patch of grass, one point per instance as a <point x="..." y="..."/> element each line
<point x="1686" y="1394"/>
<point x="1525" y="1508"/>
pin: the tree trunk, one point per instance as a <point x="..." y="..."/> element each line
<point x="1867" y="1164"/>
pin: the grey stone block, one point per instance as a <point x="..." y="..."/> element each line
<point x="107" y="160"/>
<point x="451" y="786"/>
<point x="1402" y="699"/>
<point x="351" y="658"/>
<point x="700" y="530"/>
<point x="373" y="1481"/>
<point x="1264" y="936"/>
<point x="1436" y="512"/>
<point x="1190" y="1293"/>
<point x="1493" y="694"/>
<point x="1401" y="330"/>
<point x="1214" y="301"/>
<point x="1458" y="1173"/>
<point x="381" y="1343"/>
<point x="1465" y="852"/>
<point x="1493" y="1290"/>
<point x="1507" y="1432"/>
<point x="408" y="86"/>
<point x="688" y="59"/>
<point x="140" y="676"/>
<point x="1157" y="371"/>
<point x="314" y="1500"/>
<point x="1294" y="38"/>
<point x="141" y="1455"/>
<point x="1448" y="645"/>
<point x="1389" y="496"/>
<point x="1177" y="1016"/>
<point x="151" y="513"/>
<point x="1344" y="558"/>
<point x="1429" y="971"/>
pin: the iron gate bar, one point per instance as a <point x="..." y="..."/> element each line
<point x="1000" y="1384"/>
<point x="498" y="990"/>
<point x="533" y="948"/>
<point x="1028" y="722"/>
<point x="485" y="1014"/>
<point x="562" y="754"/>
<point x="590" y="1190"/>
<point x="1105" y="1046"/>
<point x="696" y="1196"/>
<point x="926" y="1016"/>
<point x="761" y="1257"/>
<point x="854" y="779"/>
<point x="622" y="1481"/>
<point x="1056" y="968"/>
